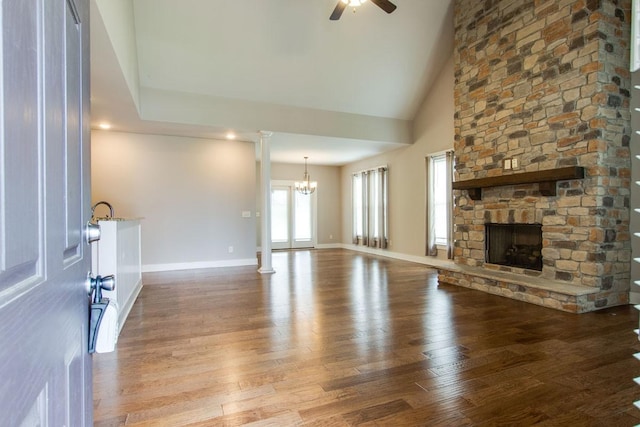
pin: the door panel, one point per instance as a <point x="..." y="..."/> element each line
<point x="44" y="363"/>
<point x="73" y="150"/>
<point x="20" y="233"/>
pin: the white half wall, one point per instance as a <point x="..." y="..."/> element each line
<point x="190" y="192"/>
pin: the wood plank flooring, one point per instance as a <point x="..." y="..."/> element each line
<point x="339" y="338"/>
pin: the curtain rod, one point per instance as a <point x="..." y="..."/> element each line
<point x="440" y="153"/>
<point x="370" y="169"/>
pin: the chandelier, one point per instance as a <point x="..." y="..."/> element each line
<point x="306" y="186"/>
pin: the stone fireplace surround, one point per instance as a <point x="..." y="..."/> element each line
<point x="551" y="287"/>
<point x="545" y="82"/>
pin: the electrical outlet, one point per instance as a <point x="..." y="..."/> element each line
<point x="514" y="163"/>
<point x="230" y="249"/>
<point x="507" y="164"/>
<point x="246" y="214"/>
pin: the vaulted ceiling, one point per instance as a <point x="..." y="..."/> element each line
<point x="335" y="91"/>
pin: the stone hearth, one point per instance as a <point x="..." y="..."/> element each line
<point x="545" y="83"/>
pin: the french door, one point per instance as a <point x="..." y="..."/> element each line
<point x="293" y="215"/>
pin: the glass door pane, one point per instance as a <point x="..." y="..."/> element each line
<point x="303" y="234"/>
<point x="280" y="217"/>
<point x="292" y="217"/>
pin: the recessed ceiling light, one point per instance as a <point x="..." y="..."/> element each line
<point x="231" y="135"/>
<point x="104" y="126"/>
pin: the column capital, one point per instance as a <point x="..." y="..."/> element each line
<point x="265" y="134"/>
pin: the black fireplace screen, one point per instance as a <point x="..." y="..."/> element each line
<point x="514" y="245"/>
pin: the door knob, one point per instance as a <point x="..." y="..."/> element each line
<point x="106" y="283"/>
<point x="92" y="232"/>
<point x="100" y="283"/>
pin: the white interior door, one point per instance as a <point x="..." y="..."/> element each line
<point x="293" y="223"/>
<point x="44" y="202"/>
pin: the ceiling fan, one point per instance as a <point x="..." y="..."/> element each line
<point x="385" y="5"/>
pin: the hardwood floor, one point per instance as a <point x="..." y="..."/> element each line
<point x="339" y="338"/>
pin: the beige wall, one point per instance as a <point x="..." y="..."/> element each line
<point x="118" y="20"/>
<point x="191" y="193"/>
<point x="433" y="133"/>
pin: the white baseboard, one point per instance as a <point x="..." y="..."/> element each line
<point x="426" y="260"/>
<point x="150" y="268"/>
<point x="329" y="246"/>
<point x="317" y="246"/>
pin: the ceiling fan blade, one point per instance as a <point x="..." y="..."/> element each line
<point x="337" y="12"/>
<point x="385" y="5"/>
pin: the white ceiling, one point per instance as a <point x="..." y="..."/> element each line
<point x="336" y="91"/>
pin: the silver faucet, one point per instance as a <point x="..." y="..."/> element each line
<point x="102" y="202"/>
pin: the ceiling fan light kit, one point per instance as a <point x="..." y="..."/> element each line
<point x="385" y="5"/>
<point x="354" y="3"/>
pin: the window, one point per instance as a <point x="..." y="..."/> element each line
<point x="635" y="36"/>
<point x="440" y="199"/>
<point x="357" y="207"/>
<point x="439" y="203"/>
<point x="370" y="208"/>
<point x="635" y="154"/>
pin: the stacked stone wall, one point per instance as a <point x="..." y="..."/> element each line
<point x="547" y="83"/>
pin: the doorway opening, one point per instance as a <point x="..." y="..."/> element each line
<point x="293" y="217"/>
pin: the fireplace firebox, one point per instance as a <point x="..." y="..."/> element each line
<point x="514" y="245"/>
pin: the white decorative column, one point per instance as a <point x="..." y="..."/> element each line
<point x="265" y="179"/>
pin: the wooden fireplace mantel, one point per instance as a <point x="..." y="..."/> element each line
<point x="546" y="179"/>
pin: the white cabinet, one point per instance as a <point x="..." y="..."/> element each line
<point x="118" y="253"/>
